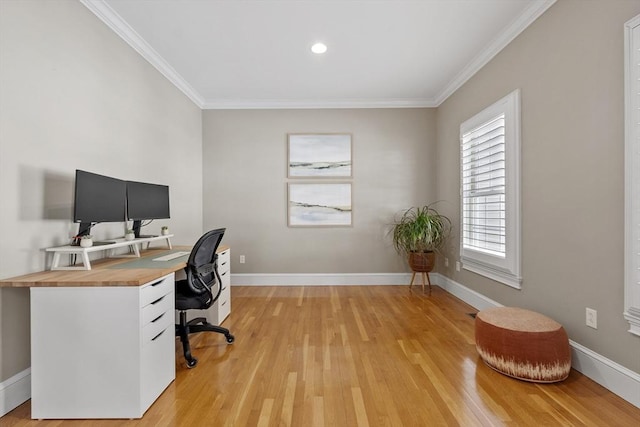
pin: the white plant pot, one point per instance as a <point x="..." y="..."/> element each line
<point x="86" y="243"/>
<point x="129" y="236"/>
<point x="164" y="232"/>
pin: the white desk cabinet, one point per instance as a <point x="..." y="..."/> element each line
<point x="220" y="309"/>
<point x="101" y="351"/>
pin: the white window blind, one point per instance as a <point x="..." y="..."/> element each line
<point x="490" y="191"/>
<point x="483" y="187"/>
<point x="632" y="175"/>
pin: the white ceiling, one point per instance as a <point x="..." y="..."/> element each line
<point x="256" y="53"/>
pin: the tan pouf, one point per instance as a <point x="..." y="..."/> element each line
<point x="523" y="344"/>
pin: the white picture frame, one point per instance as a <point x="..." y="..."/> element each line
<point x="319" y="204"/>
<point x="319" y="156"/>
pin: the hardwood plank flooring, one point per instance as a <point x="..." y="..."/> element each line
<point x="356" y="356"/>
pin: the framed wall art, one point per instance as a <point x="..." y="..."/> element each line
<point x="319" y="204"/>
<point x="319" y="156"/>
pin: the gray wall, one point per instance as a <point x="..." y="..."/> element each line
<point x="569" y="67"/>
<point x="74" y="95"/>
<point x="245" y="177"/>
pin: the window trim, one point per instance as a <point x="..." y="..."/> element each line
<point x="504" y="270"/>
<point x="632" y="181"/>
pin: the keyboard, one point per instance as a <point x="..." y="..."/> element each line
<point x="171" y="256"/>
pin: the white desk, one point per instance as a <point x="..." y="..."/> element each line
<point x="117" y="243"/>
<point x="102" y="340"/>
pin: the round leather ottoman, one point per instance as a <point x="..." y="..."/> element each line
<point x="523" y="344"/>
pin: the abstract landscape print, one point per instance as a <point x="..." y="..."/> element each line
<point x="319" y="156"/>
<point x="319" y="204"/>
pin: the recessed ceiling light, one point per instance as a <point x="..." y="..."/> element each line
<point x="319" y="48"/>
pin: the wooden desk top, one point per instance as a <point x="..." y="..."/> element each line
<point x="100" y="274"/>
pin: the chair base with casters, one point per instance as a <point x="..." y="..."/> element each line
<point x="196" y="291"/>
<point x="199" y="324"/>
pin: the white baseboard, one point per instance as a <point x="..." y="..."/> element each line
<point x="471" y="297"/>
<point x="15" y="391"/>
<point x="322" y="279"/>
<point x="609" y="374"/>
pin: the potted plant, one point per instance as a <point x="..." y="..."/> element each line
<point x="86" y="241"/>
<point x="129" y="234"/>
<point x="164" y="230"/>
<point x="418" y="233"/>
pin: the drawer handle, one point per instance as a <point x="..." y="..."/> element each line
<point x="224" y="303"/>
<point x="158" y="336"/>
<point x="157" y="283"/>
<point x="224" y="289"/>
<point x="224" y="273"/>
<point x="157" y="318"/>
<point x="158" y="300"/>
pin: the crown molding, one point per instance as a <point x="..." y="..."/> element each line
<point x="284" y="104"/>
<point x="109" y="16"/>
<point x="511" y="32"/>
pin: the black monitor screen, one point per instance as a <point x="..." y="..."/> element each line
<point x="147" y="201"/>
<point x="99" y="198"/>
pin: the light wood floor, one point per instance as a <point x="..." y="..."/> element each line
<point x="356" y="356"/>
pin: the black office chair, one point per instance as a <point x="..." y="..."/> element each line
<point x="195" y="292"/>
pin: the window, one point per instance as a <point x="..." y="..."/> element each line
<point x="632" y="175"/>
<point x="490" y="177"/>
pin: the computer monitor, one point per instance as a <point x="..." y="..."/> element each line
<point x="146" y="201"/>
<point x="98" y="198"/>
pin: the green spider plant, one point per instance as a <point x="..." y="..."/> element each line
<point x="420" y="229"/>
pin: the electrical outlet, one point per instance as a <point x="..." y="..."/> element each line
<point x="457" y="265"/>
<point x="446" y="262"/>
<point x="242" y="259"/>
<point x="592" y="318"/>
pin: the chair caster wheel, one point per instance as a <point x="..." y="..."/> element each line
<point x="230" y="338"/>
<point x="192" y="363"/>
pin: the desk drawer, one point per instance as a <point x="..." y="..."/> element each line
<point x="158" y="367"/>
<point x="162" y="305"/>
<point x="225" y="294"/>
<point x="224" y="261"/>
<point x="224" y="308"/>
<point x="156" y="290"/>
<point x="225" y="277"/>
<point x="154" y="329"/>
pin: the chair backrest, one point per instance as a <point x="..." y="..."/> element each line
<point x="202" y="266"/>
